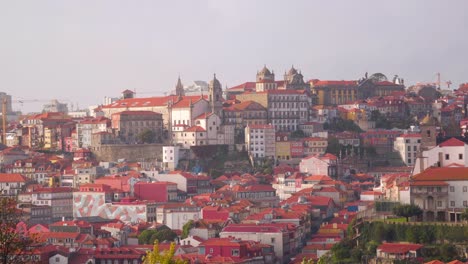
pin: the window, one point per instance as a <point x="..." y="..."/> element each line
<point x="460" y="156"/>
<point x="407" y="141"/>
<point x="439" y="203"/>
<point x="465" y="203"/>
<point x="409" y="148"/>
<point x="452" y="188"/>
<point x="419" y="141"/>
<point x="465" y="188"/>
<point x="272" y="240"/>
<point x="211" y="250"/>
<point x="452" y="203"/>
<point x="447" y="156"/>
<point x="235" y="252"/>
<point x="439" y="189"/>
<point x="415" y="148"/>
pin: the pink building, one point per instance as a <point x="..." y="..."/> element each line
<point x="320" y="165"/>
<point x="236" y="251"/>
<point x="156" y="191"/>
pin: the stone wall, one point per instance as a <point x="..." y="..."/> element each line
<point x="129" y="152"/>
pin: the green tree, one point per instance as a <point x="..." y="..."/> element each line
<point x="186" y="228"/>
<point x="464" y="215"/>
<point x="146" y="136"/>
<point x="162" y="234"/>
<point x="165" y="257"/>
<point x="334" y="146"/>
<point x="407" y="210"/>
<point x="298" y="134"/>
<point x="14" y="242"/>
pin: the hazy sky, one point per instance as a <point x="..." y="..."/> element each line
<point x="81" y="51"/>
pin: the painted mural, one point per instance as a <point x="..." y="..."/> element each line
<point x="94" y="205"/>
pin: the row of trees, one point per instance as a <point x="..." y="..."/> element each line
<point x="425" y="233"/>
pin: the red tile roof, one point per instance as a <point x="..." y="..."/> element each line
<point x="148" y="102"/>
<point x="335" y="83"/>
<point x="442" y="174"/>
<point x="12" y="177"/>
<point x="195" y="129"/>
<point x="137" y="113"/>
<point x="453" y="142"/>
<point x="428" y="183"/>
<point x="397" y="248"/>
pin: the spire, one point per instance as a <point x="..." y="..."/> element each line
<point x="179" y="88"/>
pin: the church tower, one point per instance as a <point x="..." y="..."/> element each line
<point x="428" y="132"/>
<point x="179" y="88"/>
<point x="215" y="95"/>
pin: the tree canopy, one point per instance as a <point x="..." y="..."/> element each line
<point x="407" y="210"/>
<point x="164" y="257"/>
<point x="14" y="240"/>
<point x="149" y="236"/>
<point x="147" y="136"/>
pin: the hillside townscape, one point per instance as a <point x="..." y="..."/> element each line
<point x="277" y="169"/>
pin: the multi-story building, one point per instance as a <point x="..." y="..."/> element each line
<point x="60" y="199"/>
<point x="98" y="200"/>
<point x="260" y="141"/>
<point x="11" y="184"/>
<point x="171" y="157"/>
<point x="450" y="153"/>
<point x="161" y="192"/>
<point x="129" y="124"/>
<point x="176" y="215"/>
<point x="282" y="236"/>
<point x="381" y="139"/>
<point x="287" y="109"/>
<point x="347" y="138"/>
<point x="207" y="130"/>
<point x="87" y="127"/>
<point x="408" y="145"/>
<point x="314" y="145"/>
<point x="189" y="183"/>
<point x="243" y="114"/>
<point x="237" y="250"/>
<point x="442" y="193"/>
<point x="320" y="165"/>
<point x="341" y="92"/>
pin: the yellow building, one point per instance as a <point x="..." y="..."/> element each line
<point x="283" y="150"/>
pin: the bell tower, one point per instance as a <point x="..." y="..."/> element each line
<point x="215" y="95"/>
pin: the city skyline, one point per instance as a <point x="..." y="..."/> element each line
<point x="82" y="52"/>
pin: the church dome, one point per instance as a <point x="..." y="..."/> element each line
<point x="292" y="71"/>
<point x="265" y="71"/>
<point x="215" y="82"/>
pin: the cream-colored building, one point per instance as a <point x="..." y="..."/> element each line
<point x="408" y="146"/>
<point x="260" y="141"/>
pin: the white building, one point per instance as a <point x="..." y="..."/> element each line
<point x="450" y="153"/>
<point x="320" y="165"/>
<point x="207" y="129"/>
<point x="442" y="193"/>
<point x="11" y="184"/>
<point x="171" y="157"/>
<point x="408" y="146"/>
<point x="175" y="216"/>
<point x="260" y="141"/>
<point x="87" y="127"/>
<point x="186" y="110"/>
